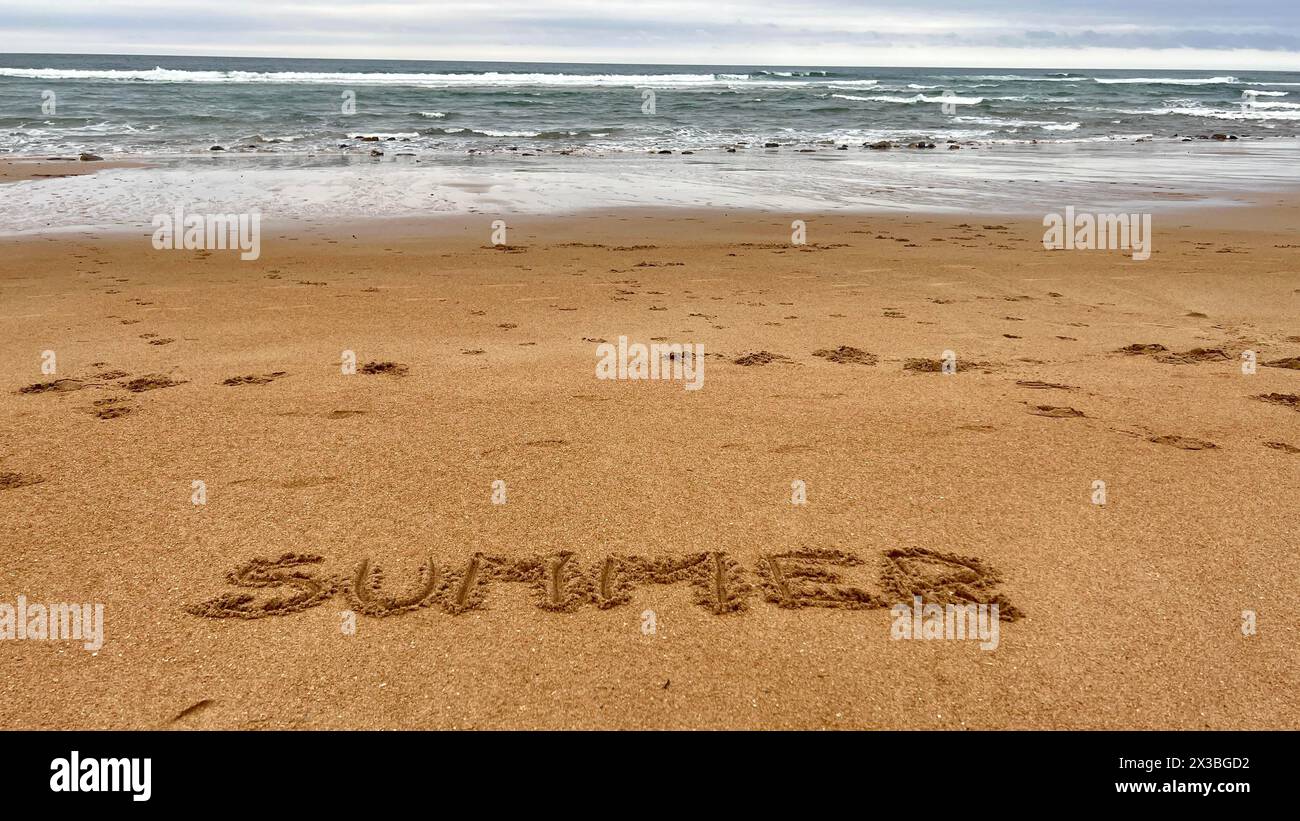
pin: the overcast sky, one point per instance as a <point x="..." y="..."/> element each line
<point x="1240" y="34"/>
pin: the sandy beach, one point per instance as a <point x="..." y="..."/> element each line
<point x="631" y="505"/>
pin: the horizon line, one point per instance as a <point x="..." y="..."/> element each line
<point x="604" y="63"/>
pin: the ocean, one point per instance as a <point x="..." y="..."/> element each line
<point x="151" y="105"/>
<point x="346" y="139"/>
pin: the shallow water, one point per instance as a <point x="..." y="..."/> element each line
<point x="992" y="180"/>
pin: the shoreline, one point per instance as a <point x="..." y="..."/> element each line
<point x="314" y="190"/>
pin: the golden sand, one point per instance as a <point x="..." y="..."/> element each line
<point x="638" y="503"/>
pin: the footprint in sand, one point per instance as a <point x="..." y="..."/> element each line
<point x="758" y="358"/>
<point x="9" y="481"/>
<point x="936" y="366"/>
<point x="1055" y="412"/>
<point x="1034" y="384"/>
<point x="1289" y="400"/>
<point x="1183" y="442"/>
<point x="1163" y="354"/>
<point x="1195" y="355"/>
<point x="923" y="365"/>
<point x="1282" y="446"/>
<point x="58" y="385"/>
<point x="1143" y="349"/>
<point x="149" y="382"/>
<point x="111" y="408"/>
<point x="254" y="379"/>
<point x="386" y="368"/>
<point x="1290" y="363"/>
<point x="845" y="355"/>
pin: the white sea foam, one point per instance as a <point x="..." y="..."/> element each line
<point x="1009" y="78"/>
<point x="1251" y="111"/>
<point x="1173" y="81"/>
<point x="397" y="135"/>
<point x="919" y="98"/>
<point x="1010" y="122"/>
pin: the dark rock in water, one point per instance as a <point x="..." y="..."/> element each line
<point x="1232" y="136"/>
<point x="842" y="148"/>
<point x="391" y="139"/>
<point x="731" y="151"/>
<point x="880" y="146"/>
<point x="375" y="152"/>
<point x="954" y="147"/>
<point x="88" y="157"/>
<point x="920" y="145"/>
<point x="343" y="145"/>
<point x="807" y="151"/>
<point x="1219" y="136"/>
<point x="216" y="148"/>
<point x="664" y="151"/>
<point x="1187" y="139"/>
<point x="688" y="152"/>
<point x="771" y="145"/>
<point x="365" y="139"/>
